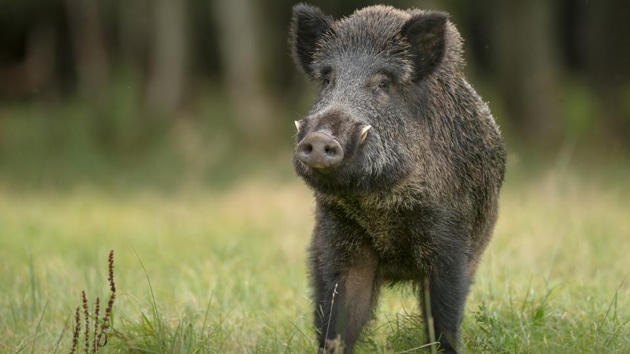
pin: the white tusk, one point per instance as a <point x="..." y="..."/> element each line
<point x="298" y="124"/>
<point x="364" y="132"/>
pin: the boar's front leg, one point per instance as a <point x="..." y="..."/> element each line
<point x="345" y="289"/>
<point x="447" y="283"/>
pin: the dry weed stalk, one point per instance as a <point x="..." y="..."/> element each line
<point x="101" y="325"/>
<point x="75" y="333"/>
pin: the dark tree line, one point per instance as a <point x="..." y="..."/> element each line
<point x="553" y="69"/>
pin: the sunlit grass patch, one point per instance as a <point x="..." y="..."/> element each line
<point x="224" y="270"/>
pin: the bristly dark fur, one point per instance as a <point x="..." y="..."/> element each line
<point x="418" y="198"/>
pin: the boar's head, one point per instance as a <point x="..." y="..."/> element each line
<point x="365" y="130"/>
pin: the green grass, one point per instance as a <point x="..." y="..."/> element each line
<point x="201" y="270"/>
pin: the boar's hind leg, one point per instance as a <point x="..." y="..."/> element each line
<point x="448" y="285"/>
<point x="345" y="301"/>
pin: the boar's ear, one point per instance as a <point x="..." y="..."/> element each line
<point x="425" y="34"/>
<point x="308" y="25"/>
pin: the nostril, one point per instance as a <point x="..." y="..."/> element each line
<point x="330" y="150"/>
<point x="306" y="148"/>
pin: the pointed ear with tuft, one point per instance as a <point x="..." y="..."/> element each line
<point x="308" y="25"/>
<point x="425" y="34"/>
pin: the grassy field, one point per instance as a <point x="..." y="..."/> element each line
<point x="200" y="271"/>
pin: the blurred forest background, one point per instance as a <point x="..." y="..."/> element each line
<point x="138" y="92"/>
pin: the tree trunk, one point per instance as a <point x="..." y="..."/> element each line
<point x="527" y="68"/>
<point x="605" y="50"/>
<point x="89" y="48"/>
<point x="134" y="33"/>
<point x="243" y="55"/>
<point x="35" y="74"/>
<point x="168" y="60"/>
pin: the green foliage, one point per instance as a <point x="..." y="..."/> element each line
<point x="579" y="111"/>
<point x="536" y="324"/>
<point x="54" y="146"/>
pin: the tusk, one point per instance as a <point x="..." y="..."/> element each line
<point x="298" y="124"/>
<point x="364" y="132"/>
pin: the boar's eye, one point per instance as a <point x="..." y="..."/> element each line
<point x="326" y="76"/>
<point x="326" y="81"/>
<point x="382" y="84"/>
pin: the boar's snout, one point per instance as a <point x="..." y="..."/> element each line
<point x="319" y="150"/>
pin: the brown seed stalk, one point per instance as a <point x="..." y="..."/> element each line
<point x="77" y="329"/>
